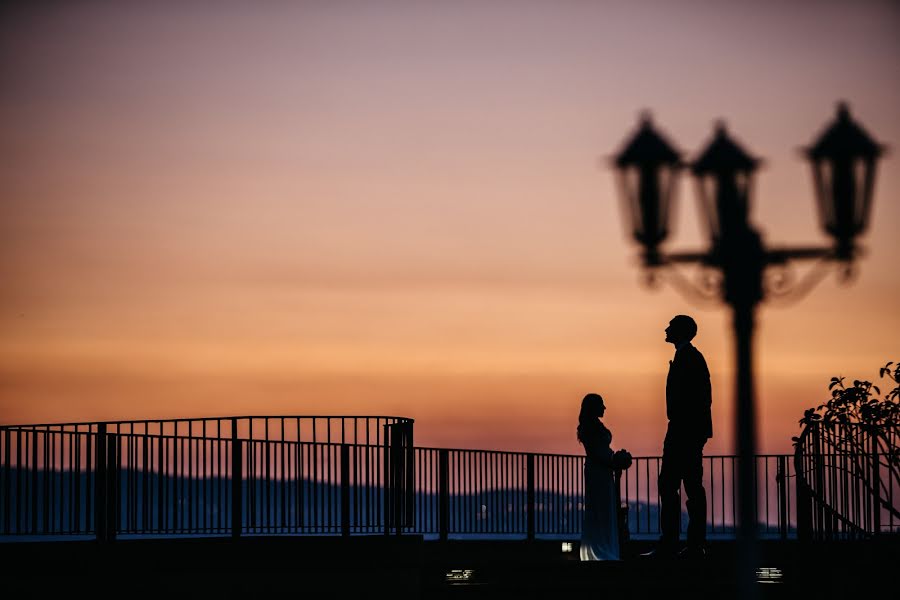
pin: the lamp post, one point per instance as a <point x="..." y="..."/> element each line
<point x="737" y="268"/>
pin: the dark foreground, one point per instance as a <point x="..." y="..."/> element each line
<point x="409" y="568"/>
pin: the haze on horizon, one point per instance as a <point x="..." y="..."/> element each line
<point x="403" y="208"/>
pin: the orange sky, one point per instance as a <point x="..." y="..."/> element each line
<point x="404" y="208"/>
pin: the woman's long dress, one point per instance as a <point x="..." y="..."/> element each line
<point x="599" y="530"/>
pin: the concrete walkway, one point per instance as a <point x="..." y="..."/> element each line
<point x="408" y="567"/>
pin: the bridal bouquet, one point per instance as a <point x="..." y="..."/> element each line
<point x="622" y="459"/>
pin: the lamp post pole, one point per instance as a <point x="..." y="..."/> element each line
<point x="745" y="425"/>
<point x="843" y="161"/>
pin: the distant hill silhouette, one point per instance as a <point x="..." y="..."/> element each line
<point x="201" y="506"/>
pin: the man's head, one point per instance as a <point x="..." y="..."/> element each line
<point x="681" y="328"/>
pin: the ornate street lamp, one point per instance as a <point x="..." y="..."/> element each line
<point x="737" y="268"/>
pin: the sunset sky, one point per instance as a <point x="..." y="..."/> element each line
<point x="406" y="208"/>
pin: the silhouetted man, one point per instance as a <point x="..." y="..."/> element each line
<point x="688" y="408"/>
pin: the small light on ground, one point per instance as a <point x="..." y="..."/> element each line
<point x="768" y="575"/>
<point x="567" y="546"/>
<point x="460" y="575"/>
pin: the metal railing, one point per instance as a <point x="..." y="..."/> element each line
<point x="363" y="475"/>
<point x="848" y="483"/>
<point x="212" y="476"/>
<point x="479" y="493"/>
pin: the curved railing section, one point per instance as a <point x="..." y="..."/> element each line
<point x="210" y="476"/>
<point x="847" y="481"/>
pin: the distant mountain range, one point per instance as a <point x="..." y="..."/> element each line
<point x="299" y="506"/>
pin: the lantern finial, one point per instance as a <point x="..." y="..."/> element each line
<point x="843" y="111"/>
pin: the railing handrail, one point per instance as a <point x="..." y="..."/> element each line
<point x="565" y="455"/>
<point x="196" y="419"/>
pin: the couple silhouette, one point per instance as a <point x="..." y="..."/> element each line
<point x="688" y="409"/>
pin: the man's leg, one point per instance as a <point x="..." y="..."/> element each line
<point x="696" y="497"/>
<point x="669" y="484"/>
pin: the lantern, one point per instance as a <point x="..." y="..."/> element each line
<point x="724" y="174"/>
<point x="647" y="170"/>
<point x="843" y="164"/>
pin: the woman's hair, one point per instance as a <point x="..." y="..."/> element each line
<point x="590" y="412"/>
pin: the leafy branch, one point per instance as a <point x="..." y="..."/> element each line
<point x="858" y="409"/>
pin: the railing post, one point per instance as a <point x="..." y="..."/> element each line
<point x="397" y="477"/>
<point x="804" y="514"/>
<point x="386" y="483"/>
<point x="444" y="493"/>
<point x="621" y="511"/>
<point x="409" y="495"/>
<point x="6" y="434"/>
<point x="112" y="486"/>
<point x="345" y="489"/>
<point x="34" y="480"/>
<point x="391" y="480"/>
<point x="161" y="512"/>
<point x="530" y="508"/>
<point x="100" y="526"/>
<point x="237" y="481"/>
<point x="822" y="520"/>
<point x="781" y="479"/>
<point x="802" y="462"/>
<point x="876" y="485"/>
<point x="48" y="468"/>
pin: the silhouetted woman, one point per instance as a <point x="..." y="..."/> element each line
<point x="599" y="530"/>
